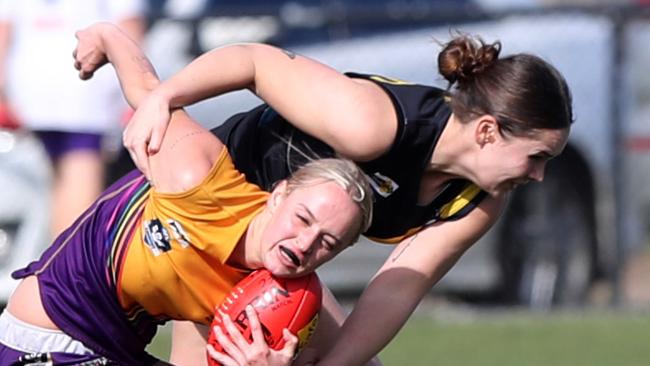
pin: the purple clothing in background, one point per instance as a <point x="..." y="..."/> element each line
<point x="57" y="143"/>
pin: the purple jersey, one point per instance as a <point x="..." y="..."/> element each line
<point x="76" y="276"/>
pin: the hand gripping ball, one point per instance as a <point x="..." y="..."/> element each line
<point x="291" y="303"/>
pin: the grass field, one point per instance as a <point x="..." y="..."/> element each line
<point x="513" y="338"/>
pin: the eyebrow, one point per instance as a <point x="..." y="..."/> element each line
<point x="313" y="218"/>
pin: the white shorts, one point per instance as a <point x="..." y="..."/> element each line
<point x="28" y="338"/>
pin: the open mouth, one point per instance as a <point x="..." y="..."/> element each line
<point x="291" y="255"/>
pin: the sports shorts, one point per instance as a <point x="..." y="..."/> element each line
<point x="25" y="344"/>
<point x="58" y="143"/>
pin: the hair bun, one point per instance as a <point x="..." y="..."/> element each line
<point x="465" y="57"/>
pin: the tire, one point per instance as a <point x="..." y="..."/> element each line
<point x="548" y="258"/>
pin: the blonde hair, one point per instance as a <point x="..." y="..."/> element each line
<point x="347" y="175"/>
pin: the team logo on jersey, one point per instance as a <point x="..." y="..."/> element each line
<point x="179" y="233"/>
<point x="383" y="185"/>
<point x="156" y="237"/>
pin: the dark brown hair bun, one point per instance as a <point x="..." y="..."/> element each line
<point x="465" y="57"/>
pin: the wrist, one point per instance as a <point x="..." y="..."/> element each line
<point x="164" y="93"/>
<point x="160" y="97"/>
<point x="105" y="32"/>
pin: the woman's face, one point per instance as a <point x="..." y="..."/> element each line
<point x="308" y="227"/>
<point x="507" y="162"/>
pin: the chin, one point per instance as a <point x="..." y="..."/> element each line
<point x="499" y="192"/>
<point x="287" y="273"/>
<point x="278" y="269"/>
<point x="275" y="268"/>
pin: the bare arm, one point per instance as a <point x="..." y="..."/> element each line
<point x="330" y="320"/>
<point x="315" y="98"/>
<point x="188" y="343"/>
<point x="134" y="27"/>
<point x="355" y="117"/>
<point x="187" y="156"/>
<point x="104" y="43"/>
<point x="411" y="270"/>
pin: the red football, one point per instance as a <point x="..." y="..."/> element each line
<point x="291" y="303"/>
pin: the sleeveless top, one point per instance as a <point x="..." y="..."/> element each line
<point x="267" y="148"/>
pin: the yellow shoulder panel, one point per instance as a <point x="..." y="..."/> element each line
<point x="460" y="201"/>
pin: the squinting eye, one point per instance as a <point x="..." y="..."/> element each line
<point x="303" y="219"/>
<point x="537" y="158"/>
<point x="327" y="245"/>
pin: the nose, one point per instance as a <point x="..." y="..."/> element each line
<point x="306" y="240"/>
<point x="537" y="174"/>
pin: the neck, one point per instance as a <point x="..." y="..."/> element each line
<point x="452" y="157"/>
<point x="248" y="252"/>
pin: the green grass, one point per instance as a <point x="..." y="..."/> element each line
<point x="514" y="338"/>
<point x="524" y="339"/>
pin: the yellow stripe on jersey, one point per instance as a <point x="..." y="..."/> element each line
<point x="460" y="201"/>
<point x="387" y="80"/>
<point x="448" y="210"/>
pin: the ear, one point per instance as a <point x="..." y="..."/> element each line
<point x="277" y="195"/>
<point x="487" y="130"/>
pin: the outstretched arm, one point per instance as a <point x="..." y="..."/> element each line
<point x="103" y="43"/>
<point x="355" y="117"/>
<point x="406" y="277"/>
<point x="187" y="157"/>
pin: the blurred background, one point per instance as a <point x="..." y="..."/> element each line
<point x="562" y="279"/>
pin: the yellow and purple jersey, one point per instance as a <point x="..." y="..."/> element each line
<point x="137" y="258"/>
<point x="174" y="264"/>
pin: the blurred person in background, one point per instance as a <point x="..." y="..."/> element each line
<point x="41" y="93"/>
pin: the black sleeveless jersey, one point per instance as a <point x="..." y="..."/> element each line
<point x="267" y="148"/>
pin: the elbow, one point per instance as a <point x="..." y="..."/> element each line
<point x="192" y="176"/>
<point x="184" y="179"/>
<point x="361" y="146"/>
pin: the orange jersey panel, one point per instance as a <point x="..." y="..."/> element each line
<point x="175" y="264"/>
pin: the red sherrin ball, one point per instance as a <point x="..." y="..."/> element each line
<point x="291" y="303"/>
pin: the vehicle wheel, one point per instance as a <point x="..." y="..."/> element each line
<point x="549" y="253"/>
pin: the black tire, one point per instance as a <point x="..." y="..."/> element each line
<point x="549" y="257"/>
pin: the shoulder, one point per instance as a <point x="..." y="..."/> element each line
<point x="186" y="156"/>
<point x="410" y="100"/>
